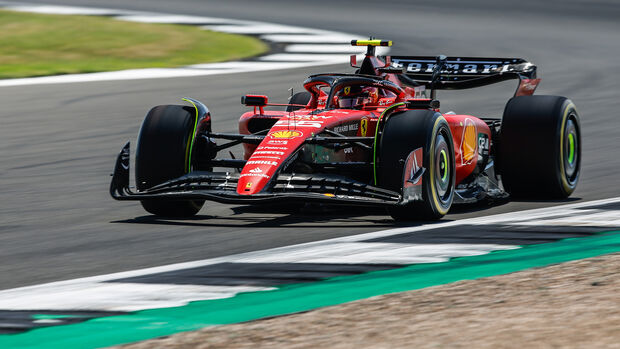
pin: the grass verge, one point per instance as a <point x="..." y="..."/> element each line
<point x="38" y="45"/>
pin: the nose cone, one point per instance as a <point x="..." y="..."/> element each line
<point x="255" y="176"/>
<point x="267" y="159"/>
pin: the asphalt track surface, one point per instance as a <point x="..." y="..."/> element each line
<point x="58" y="142"/>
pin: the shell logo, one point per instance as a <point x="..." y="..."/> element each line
<point x="286" y="134"/>
<point x="468" y="145"/>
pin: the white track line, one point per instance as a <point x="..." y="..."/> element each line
<point x="93" y="293"/>
<point x="331" y="38"/>
<point x="175" y="19"/>
<point x="118" y="296"/>
<point x="304" y="57"/>
<point x="260" y="28"/>
<point x="298" y="38"/>
<point x="60" y="10"/>
<point x="374" y="253"/>
<point x="330" y="48"/>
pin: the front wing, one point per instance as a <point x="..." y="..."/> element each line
<point x="222" y="187"/>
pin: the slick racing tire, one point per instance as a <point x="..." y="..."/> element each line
<point x="298" y="98"/>
<point x="540" y="147"/>
<point x="402" y="134"/>
<point x="162" y="154"/>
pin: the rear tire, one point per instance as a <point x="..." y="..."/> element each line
<point x="540" y="147"/>
<point x="298" y="98"/>
<point x="162" y="154"/>
<point x="403" y="133"/>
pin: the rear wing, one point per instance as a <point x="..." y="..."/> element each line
<point x="457" y="73"/>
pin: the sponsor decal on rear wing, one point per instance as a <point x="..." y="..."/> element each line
<point x="464" y="72"/>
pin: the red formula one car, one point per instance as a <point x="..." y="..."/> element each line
<point x="373" y="138"/>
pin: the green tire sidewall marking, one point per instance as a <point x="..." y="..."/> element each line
<point x="566" y="114"/>
<point x="445" y="161"/>
<point x="114" y="330"/>
<point x="571" y="148"/>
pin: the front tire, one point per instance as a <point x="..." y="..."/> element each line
<point x="163" y="154"/>
<point x="403" y="133"/>
<point x="540" y="147"/>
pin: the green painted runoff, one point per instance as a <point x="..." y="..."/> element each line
<point x="113" y="330"/>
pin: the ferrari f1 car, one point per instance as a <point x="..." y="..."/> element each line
<point x="376" y="137"/>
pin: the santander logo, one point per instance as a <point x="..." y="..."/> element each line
<point x="256" y="170"/>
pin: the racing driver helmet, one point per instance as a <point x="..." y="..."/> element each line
<point x="351" y="96"/>
<point x="355" y="96"/>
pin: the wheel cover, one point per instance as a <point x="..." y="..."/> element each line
<point x="571" y="150"/>
<point x="443" y="169"/>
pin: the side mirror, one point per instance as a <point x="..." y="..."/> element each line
<point x="254" y="100"/>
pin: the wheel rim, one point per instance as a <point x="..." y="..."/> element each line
<point x="443" y="169"/>
<point x="571" y="150"/>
